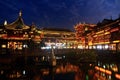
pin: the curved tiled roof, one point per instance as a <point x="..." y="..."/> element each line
<point x="17" y="25"/>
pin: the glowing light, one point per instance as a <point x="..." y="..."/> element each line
<point x="106" y="46"/>
<point x="24" y="72"/>
<point x="80" y="47"/>
<point x="117" y="76"/>
<point x="63" y="56"/>
<point x="86" y="47"/>
<point x="108" y="72"/>
<point x="103" y="70"/>
<point x="3" y="46"/>
<point x="25" y="45"/>
<point x="90" y="47"/>
<point x="2" y="71"/>
<point x="104" y="66"/>
<point x="116" y="41"/>
<point x="115" y="29"/>
<point x="5" y="23"/>
<point x="43" y="58"/>
<point x="94" y="47"/>
<point x="48" y="47"/>
<point x="99" y="47"/>
<point x="58" y="57"/>
<point x="107" y="33"/>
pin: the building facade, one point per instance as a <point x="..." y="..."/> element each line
<point x="81" y="30"/>
<point x="17" y="36"/>
<point x="58" y="37"/>
<point x="104" y="36"/>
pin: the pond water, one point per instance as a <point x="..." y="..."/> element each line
<point x="39" y="68"/>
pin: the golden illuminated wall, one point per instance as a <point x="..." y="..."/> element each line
<point x="81" y="34"/>
<point x="79" y="29"/>
<point x="106" y="35"/>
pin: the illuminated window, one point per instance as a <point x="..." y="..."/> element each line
<point x="112" y="47"/>
<point x="94" y="47"/>
<point x="25" y="46"/>
<point x="3" y="46"/>
<point x="106" y="46"/>
<point x="90" y="47"/>
<point x="15" y="45"/>
<point x="86" y="47"/>
<point x="99" y="47"/>
<point x="80" y="47"/>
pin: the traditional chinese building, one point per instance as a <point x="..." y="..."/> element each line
<point x="17" y="36"/>
<point x="81" y="32"/>
<point x="104" y="36"/>
<point x="60" y="38"/>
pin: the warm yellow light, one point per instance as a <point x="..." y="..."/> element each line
<point x="95" y="36"/>
<point x="108" y="72"/>
<point x="3" y="46"/>
<point x="117" y="76"/>
<point x="103" y="70"/>
<point x="116" y="41"/>
<point x="106" y="42"/>
<point x="107" y="32"/>
<point x="100" y="32"/>
<point x="90" y="43"/>
<point x="115" y="29"/>
<point x="97" y="68"/>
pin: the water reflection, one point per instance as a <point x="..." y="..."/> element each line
<point x="68" y="71"/>
<point x="107" y="71"/>
<point x="38" y="68"/>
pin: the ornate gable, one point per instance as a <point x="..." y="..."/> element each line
<point x="18" y="24"/>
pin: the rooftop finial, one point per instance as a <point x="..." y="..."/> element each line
<point x="5" y="23"/>
<point x="20" y="13"/>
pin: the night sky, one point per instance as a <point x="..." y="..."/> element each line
<point x="59" y="13"/>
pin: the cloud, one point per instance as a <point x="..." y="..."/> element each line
<point x="8" y="4"/>
<point x="57" y="6"/>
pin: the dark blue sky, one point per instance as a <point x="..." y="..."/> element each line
<point x="59" y="13"/>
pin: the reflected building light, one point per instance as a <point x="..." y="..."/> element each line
<point x="43" y="58"/>
<point x="114" y="67"/>
<point x="64" y="57"/>
<point x="103" y="74"/>
<point x="48" y="47"/>
<point x="58" y="57"/>
<point x="24" y="72"/>
<point x="42" y="47"/>
<point x="108" y="72"/>
<point x="54" y="47"/>
<point x="2" y="71"/>
<point x="98" y="63"/>
<point x="117" y="76"/>
<point x="104" y="66"/>
<point x="25" y="46"/>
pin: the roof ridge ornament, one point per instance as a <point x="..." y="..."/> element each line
<point x="5" y="23"/>
<point x="20" y="13"/>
